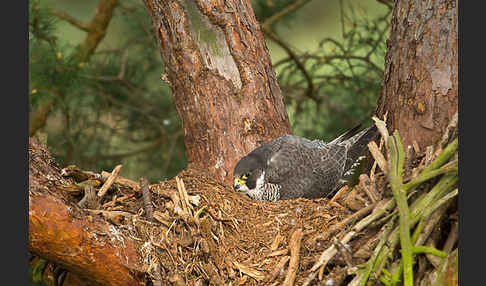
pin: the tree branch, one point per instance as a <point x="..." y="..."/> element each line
<point x="71" y="20"/>
<point x="38" y="117"/>
<point x="267" y="29"/>
<point x="277" y="16"/>
<point x="99" y="24"/>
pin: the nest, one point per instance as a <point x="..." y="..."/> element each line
<point x="193" y="230"/>
<point x="203" y="230"/>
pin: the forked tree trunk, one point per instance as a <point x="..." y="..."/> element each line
<point x="222" y="79"/>
<point x="420" y="83"/>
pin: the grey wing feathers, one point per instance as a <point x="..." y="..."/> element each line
<point x="305" y="168"/>
<point x="284" y="158"/>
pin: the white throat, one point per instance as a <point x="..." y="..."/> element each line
<point x="255" y="193"/>
<point x="260" y="181"/>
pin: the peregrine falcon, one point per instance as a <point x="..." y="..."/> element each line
<point x="290" y="166"/>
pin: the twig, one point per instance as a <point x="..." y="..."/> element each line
<point x="378" y="156"/>
<point x="368" y="187"/>
<point x="294" y="247"/>
<point x="433" y="259"/>
<point x="38" y="117"/>
<point x="71" y="20"/>
<point x="310" y="85"/>
<point x="109" y="181"/>
<point x="278" y="268"/>
<point x="259" y="276"/>
<point x="329" y="253"/>
<point x="267" y="29"/>
<point x="375" y="163"/>
<point x="157" y="280"/>
<point x="342" y="225"/>
<point x="420" y="235"/>
<point x="112" y="215"/>
<point x="147" y="201"/>
<point x="441" y="201"/>
<point x="381" y="125"/>
<point x="121" y="181"/>
<point x="276" y="242"/>
<point x="287" y="10"/>
<point x="429" y="250"/>
<point x="344" y="252"/>
<point x="444" y="155"/>
<point x="284" y="251"/>
<point x="186" y="206"/>
<point x="418" y="208"/>
<point x="98" y="26"/>
<point x="362" y="276"/>
<point x="155" y="144"/>
<point x="339" y="193"/>
<point x="452" y="238"/>
<point x="430" y="225"/>
<point x="89" y="200"/>
<point x="426" y="175"/>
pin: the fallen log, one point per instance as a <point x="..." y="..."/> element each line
<point x="83" y="244"/>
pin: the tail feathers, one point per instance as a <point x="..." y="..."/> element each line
<point x="358" y="145"/>
<point x="346" y="135"/>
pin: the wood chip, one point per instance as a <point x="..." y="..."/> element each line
<point x="368" y="187"/>
<point x="276" y="242"/>
<point x="294" y="247"/>
<point x="278" y="252"/>
<point x="163" y="218"/>
<point x="258" y="275"/>
<point x="339" y="194"/>
<point x="378" y="156"/>
<point x="121" y="181"/>
<point x="109" y="181"/>
<point x="279" y="268"/>
<point x="416" y="147"/>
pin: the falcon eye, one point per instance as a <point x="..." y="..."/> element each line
<point x="245" y="176"/>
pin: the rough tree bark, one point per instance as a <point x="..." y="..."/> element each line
<point x="420" y="83"/>
<point x="61" y="232"/>
<point x="222" y="79"/>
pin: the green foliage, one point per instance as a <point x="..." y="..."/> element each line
<point x="36" y="272"/>
<point x="346" y="76"/>
<point x="112" y="109"/>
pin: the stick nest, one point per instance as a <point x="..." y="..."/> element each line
<point x="200" y="232"/>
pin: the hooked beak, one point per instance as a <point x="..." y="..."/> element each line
<point x="236" y="186"/>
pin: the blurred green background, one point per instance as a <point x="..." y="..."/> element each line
<point x="97" y="119"/>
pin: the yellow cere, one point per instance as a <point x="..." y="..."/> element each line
<point x="242" y="180"/>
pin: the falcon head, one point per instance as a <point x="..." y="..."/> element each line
<point x="247" y="175"/>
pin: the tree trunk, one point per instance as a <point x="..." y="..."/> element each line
<point x="420" y="86"/>
<point x="222" y="79"/>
